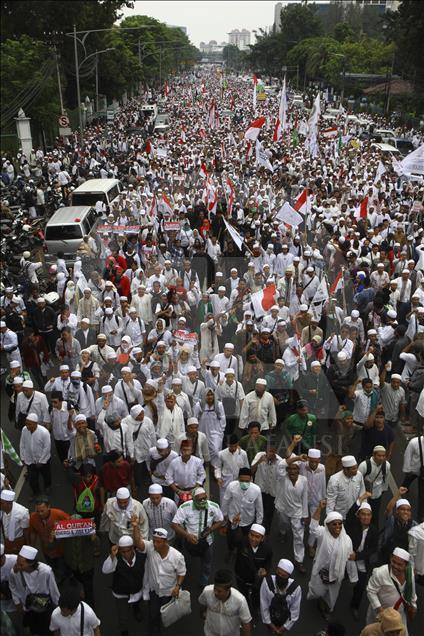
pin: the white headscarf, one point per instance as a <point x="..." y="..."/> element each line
<point x="339" y="548"/>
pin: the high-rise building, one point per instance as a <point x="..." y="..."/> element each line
<point x="239" y="38"/>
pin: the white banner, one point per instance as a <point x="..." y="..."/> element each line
<point x="237" y="238"/>
<point x="414" y="162"/>
<point x="288" y="215"/>
<point x="262" y="158"/>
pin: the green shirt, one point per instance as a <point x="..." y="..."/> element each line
<point x="297" y="425"/>
<point x="253" y="446"/>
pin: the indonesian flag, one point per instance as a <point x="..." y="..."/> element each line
<point x="277" y="131"/>
<point x="254" y="128"/>
<point x="249" y="150"/>
<point x="232" y="103"/>
<point x="231" y="195"/>
<point x="212" y="114"/>
<point x="330" y="133"/>
<point x="338" y="283"/>
<point x="203" y="172"/>
<point x="202" y="133"/>
<point x="263" y="300"/>
<point x="167" y="205"/>
<point x="363" y="208"/>
<point x="302" y="202"/>
<point x="212" y="200"/>
<point x="150" y="149"/>
<point x="166" y="90"/>
<point x="153" y="208"/>
<point x="223" y="151"/>
<point x="182" y="138"/>
<point x="255" y="81"/>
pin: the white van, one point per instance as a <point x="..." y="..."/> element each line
<point x="66" y="229"/>
<point x="93" y="190"/>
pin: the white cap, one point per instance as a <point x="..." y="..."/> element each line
<point x="76" y="374"/>
<point x="28" y="552"/>
<point x="261" y="381"/>
<point x="286" y="565"/>
<point x="18" y="380"/>
<point x="191" y="369"/>
<point x="132" y="310"/>
<point x="354" y="313"/>
<point x="364" y="506"/>
<point x="371" y="332"/>
<point x="348" y="461"/>
<point x="228" y="345"/>
<point x="136" y="410"/>
<point x="256" y="527"/>
<point x="160" y="533"/>
<point x="176" y="381"/>
<point x="86" y="321"/>
<point x="215" y="364"/>
<point x="155" y="489"/>
<point x="333" y="516"/>
<point x="64" y="367"/>
<point x="199" y="491"/>
<point x="391" y="314"/>
<point x="342" y="355"/>
<point x="28" y="384"/>
<point x="314" y="453"/>
<point x="303" y="307"/>
<point x="402" y="554"/>
<point x="402" y="502"/>
<point x="280" y="362"/>
<point x="125" y="370"/>
<point x="370" y="357"/>
<point x="7" y="495"/>
<point x="162" y="443"/>
<point x="315" y="363"/>
<point x="107" y="389"/>
<point x="396" y="376"/>
<point x="182" y="319"/>
<point x="222" y="288"/>
<point x="14" y="364"/>
<point x="32" y="417"/>
<point x="229" y="371"/>
<point x="123" y="493"/>
<point x="80" y="418"/>
<point x="125" y="541"/>
<point x="192" y="420"/>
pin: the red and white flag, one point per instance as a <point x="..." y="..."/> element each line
<point x="150" y="149"/>
<point x="330" y="133"/>
<point x="153" y="208"/>
<point x="338" y="283"/>
<point x="263" y="300"/>
<point x="302" y="202"/>
<point x="212" y="114"/>
<point x="249" y="150"/>
<point x="166" y="89"/>
<point x="282" y="110"/>
<point x="203" y="172"/>
<point x="277" y="131"/>
<point x="202" y="133"/>
<point x="167" y="205"/>
<point x="212" y="200"/>
<point x="363" y="208"/>
<point x="255" y="81"/>
<point x="232" y="103"/>
<point x="223" y="151"/>
<point x="254" y="128"/>
<point x="182" y="138"/>
<point x="231" y="195"/>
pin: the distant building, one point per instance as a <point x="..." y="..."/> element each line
<point x="322" y="7"/>
<point x="240" y="39"/>
<point x="211" y="47"/>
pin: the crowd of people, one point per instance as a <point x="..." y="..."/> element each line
<point x="226" y="392"/>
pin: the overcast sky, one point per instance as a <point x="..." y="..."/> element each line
<point x="208" y="20"/>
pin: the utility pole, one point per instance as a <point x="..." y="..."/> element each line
<point x="77" y="81"/>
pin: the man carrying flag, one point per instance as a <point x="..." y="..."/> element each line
<point x="254" y="128"/>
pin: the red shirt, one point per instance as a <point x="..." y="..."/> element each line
<point x="113" y="477"/>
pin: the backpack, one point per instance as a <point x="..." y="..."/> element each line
<point x="85" y="501"/>
<point x="279" y="610"/>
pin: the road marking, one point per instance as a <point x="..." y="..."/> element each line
<point x="20" y="482"/>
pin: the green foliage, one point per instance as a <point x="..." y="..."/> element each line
<point x="298" y="21"/>
<point x="406" y="28"/>
<point x="234" y="58"/>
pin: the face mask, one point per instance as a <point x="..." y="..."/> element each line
<point x="75" y="382"/>
<point x="244" y="485"/>
<point x="281" y="581"/>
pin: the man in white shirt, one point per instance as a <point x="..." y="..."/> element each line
<point x="344" y="487"/>
<point x="241" y="506"/>
<point x="29" y="400"/>
<point x="14" y="522"/>
<point x="228" y="463"/>
<point x="314" y="472"/>
<point x="376" y="473"/>
<point x="143" y="434"/>
<point x="73" y="616"/>
<point x="61" y="423"/>
<point x="185" y="472"/>
<point x="227" y="360"/>
<point x="413" y="462"/>
<point x="282" y="584"/>
<point x="122" y="514"/>
<point x="34" y="450"/>
<point x="160" y="511"/>
<point x="258" y="406"/>
<point x="158" y="462"/>
<point x="226" y="610"/>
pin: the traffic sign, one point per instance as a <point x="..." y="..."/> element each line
<point x="63" y="121"/>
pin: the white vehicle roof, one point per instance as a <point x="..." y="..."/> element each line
<point x="385" y="148"/>
<point x="97" y="185"/>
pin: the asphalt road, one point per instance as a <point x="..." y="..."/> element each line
<point x="310" y="619"/>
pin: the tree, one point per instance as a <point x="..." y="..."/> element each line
<point x="406" y="28"/>
<point x="299" y="21"/>
<point x="233" y="57"/>
<point x="343" y="32"/>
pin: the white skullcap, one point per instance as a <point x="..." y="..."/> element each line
<point x="391" y="314"/>
<point x="132" y="310"/>
<point x="199" y="491"/>
<point x="86" y="289"/>
<point x="182" y="319"/>
<point x="370" y="357"/>
<point x="28" y="552"/>
<point x="123" y="298"/>
<point x="402" y="502"/>
<point x="28" y="384"/>
<point x="256" y="527"/>
<point x="354" y="313"/>
<point x="364" y="506"/>
<point x="218" y="274"/>
<point x="191" y="369"/>
<point x="125" y="541"/>
<point x="86" y="321"/>
<point x="378" y="448"/>
<point x="396" y="376"/>
<point x="286" y="565"/>
<point x="160" y="533"/>
<point x="261" y="381"/>
<point x="315" y="363"/>
<point x="371" y="332"/>
<point x="215" y="364"/>
<point x="342" y="355"/>
<point x="333" y="516"/>
<point x="222" y="288"/>
<point x="76" y="374"/>
<point x="64" y="367"/>
<point x="125" y="370"/>
<point x="348" y="461"/>
<point x="107" y="389"/>
<point x="228" y="345"/>
<point x="136" y="410"/>
<point x="176" y="381"/>
<point x="123" y="493"/>
<point x="80" y="418"/>
<point x="32" y="417"/>
<point x="155" y="489"/>
<point x="233" y="269"/>
<point x="18" y="380"/>
<point x="303" y="307"/>
<point x="162" y="443"/>
<point x="192" y="420"/>
<point x="14" y="364"/>
<point x="314" y="453"/>
<point x="402" y="554"/>
<point x="7" y="495"/>
<point x="136" y="350"/>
